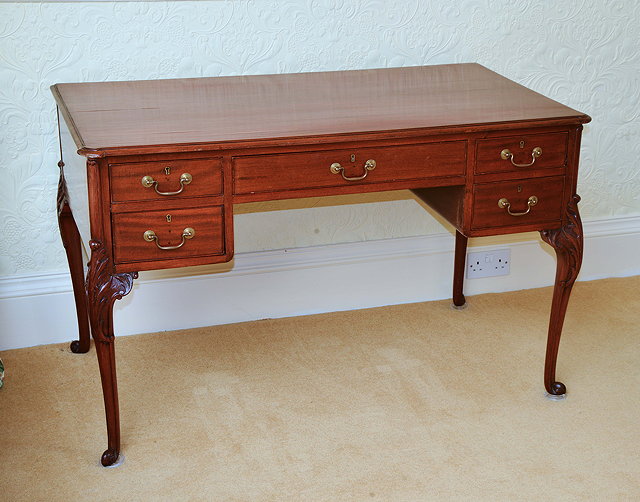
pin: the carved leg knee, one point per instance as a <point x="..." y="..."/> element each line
<point x="567" y="242"/>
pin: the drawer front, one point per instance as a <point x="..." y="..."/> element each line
<point x="297" y="171"/>
<point x="132" y="244"/>
<point x="173" y="178"/>
<point x="539" y="198"/>
<point x="522" y="150"/>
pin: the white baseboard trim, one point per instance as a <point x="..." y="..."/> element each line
<point x="38" y="309"/>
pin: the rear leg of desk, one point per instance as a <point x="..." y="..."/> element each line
<point x="459" y="300"/>
<point x="73" y="247"/>
<point x="103" y="289"/>
<point x="568" y="244"/>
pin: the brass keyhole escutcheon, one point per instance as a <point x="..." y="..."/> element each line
<point x="353" y="157"/>
<point x="168" y="218"/>
<point x="167" y="170"/>
<point x="522" y="144"/>
<point x="519" y="188"/>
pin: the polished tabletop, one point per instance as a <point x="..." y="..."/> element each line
<point x="219" y="109"/>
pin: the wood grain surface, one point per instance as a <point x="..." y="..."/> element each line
<point x="208" y="110"/>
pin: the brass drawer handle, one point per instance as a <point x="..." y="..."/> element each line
<point x="504" y="203"/>
<point x="369" y="165"/>
<point x="507" y="155"/>
<point x="148" y="182"/>
<point x="151" y="236"/>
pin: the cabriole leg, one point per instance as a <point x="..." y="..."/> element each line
<point x="103" y="289"/>
<point x="568" y="244"/>
<point x="459" y="300"/>
<point x="72" y="245"/>
<point x="107" y="363"/>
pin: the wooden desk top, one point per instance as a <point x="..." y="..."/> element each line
<point x="211" y="110"/>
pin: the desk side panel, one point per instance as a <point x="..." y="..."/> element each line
<point x="75" y="175"/>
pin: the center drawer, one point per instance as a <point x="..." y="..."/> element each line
<point x="298" y="171"/>
<point x="183" y="233"/>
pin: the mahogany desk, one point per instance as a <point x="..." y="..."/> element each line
<point x="162" y="163"/>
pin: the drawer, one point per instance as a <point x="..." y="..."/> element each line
<point x="172" y="178"/>
<point x="540" y="198"/>
<point x="297" y="171"/>
<point x="132" y="243"/>
<point x="523" y="151"/>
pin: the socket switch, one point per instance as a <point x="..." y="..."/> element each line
<point x="488" y="263"/>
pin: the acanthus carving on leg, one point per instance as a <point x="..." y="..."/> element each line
<point x="103" y="289"/>
<point x="567" y="242"/>
<point x="63" y="196"/>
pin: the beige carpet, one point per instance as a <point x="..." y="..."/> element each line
<point x="402" y="403"/>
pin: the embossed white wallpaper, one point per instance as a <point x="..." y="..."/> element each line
<point x="582" y="53"/>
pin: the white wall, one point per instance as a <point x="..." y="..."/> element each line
<point x="582" y="53"/>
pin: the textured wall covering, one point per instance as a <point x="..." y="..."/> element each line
<point x="582" y="53"/>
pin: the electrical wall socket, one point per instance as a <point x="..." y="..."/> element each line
<point x="488" y="263"/>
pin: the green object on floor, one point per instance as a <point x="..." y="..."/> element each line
<point x="1" y="373"/>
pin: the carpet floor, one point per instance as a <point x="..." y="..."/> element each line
<point x="410" y="402"/>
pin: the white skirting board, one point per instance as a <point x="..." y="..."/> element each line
<point x="39" y="309"/>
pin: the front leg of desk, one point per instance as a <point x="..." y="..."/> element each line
<point x="103" y="289"/>
<point x="567" y="242"/>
